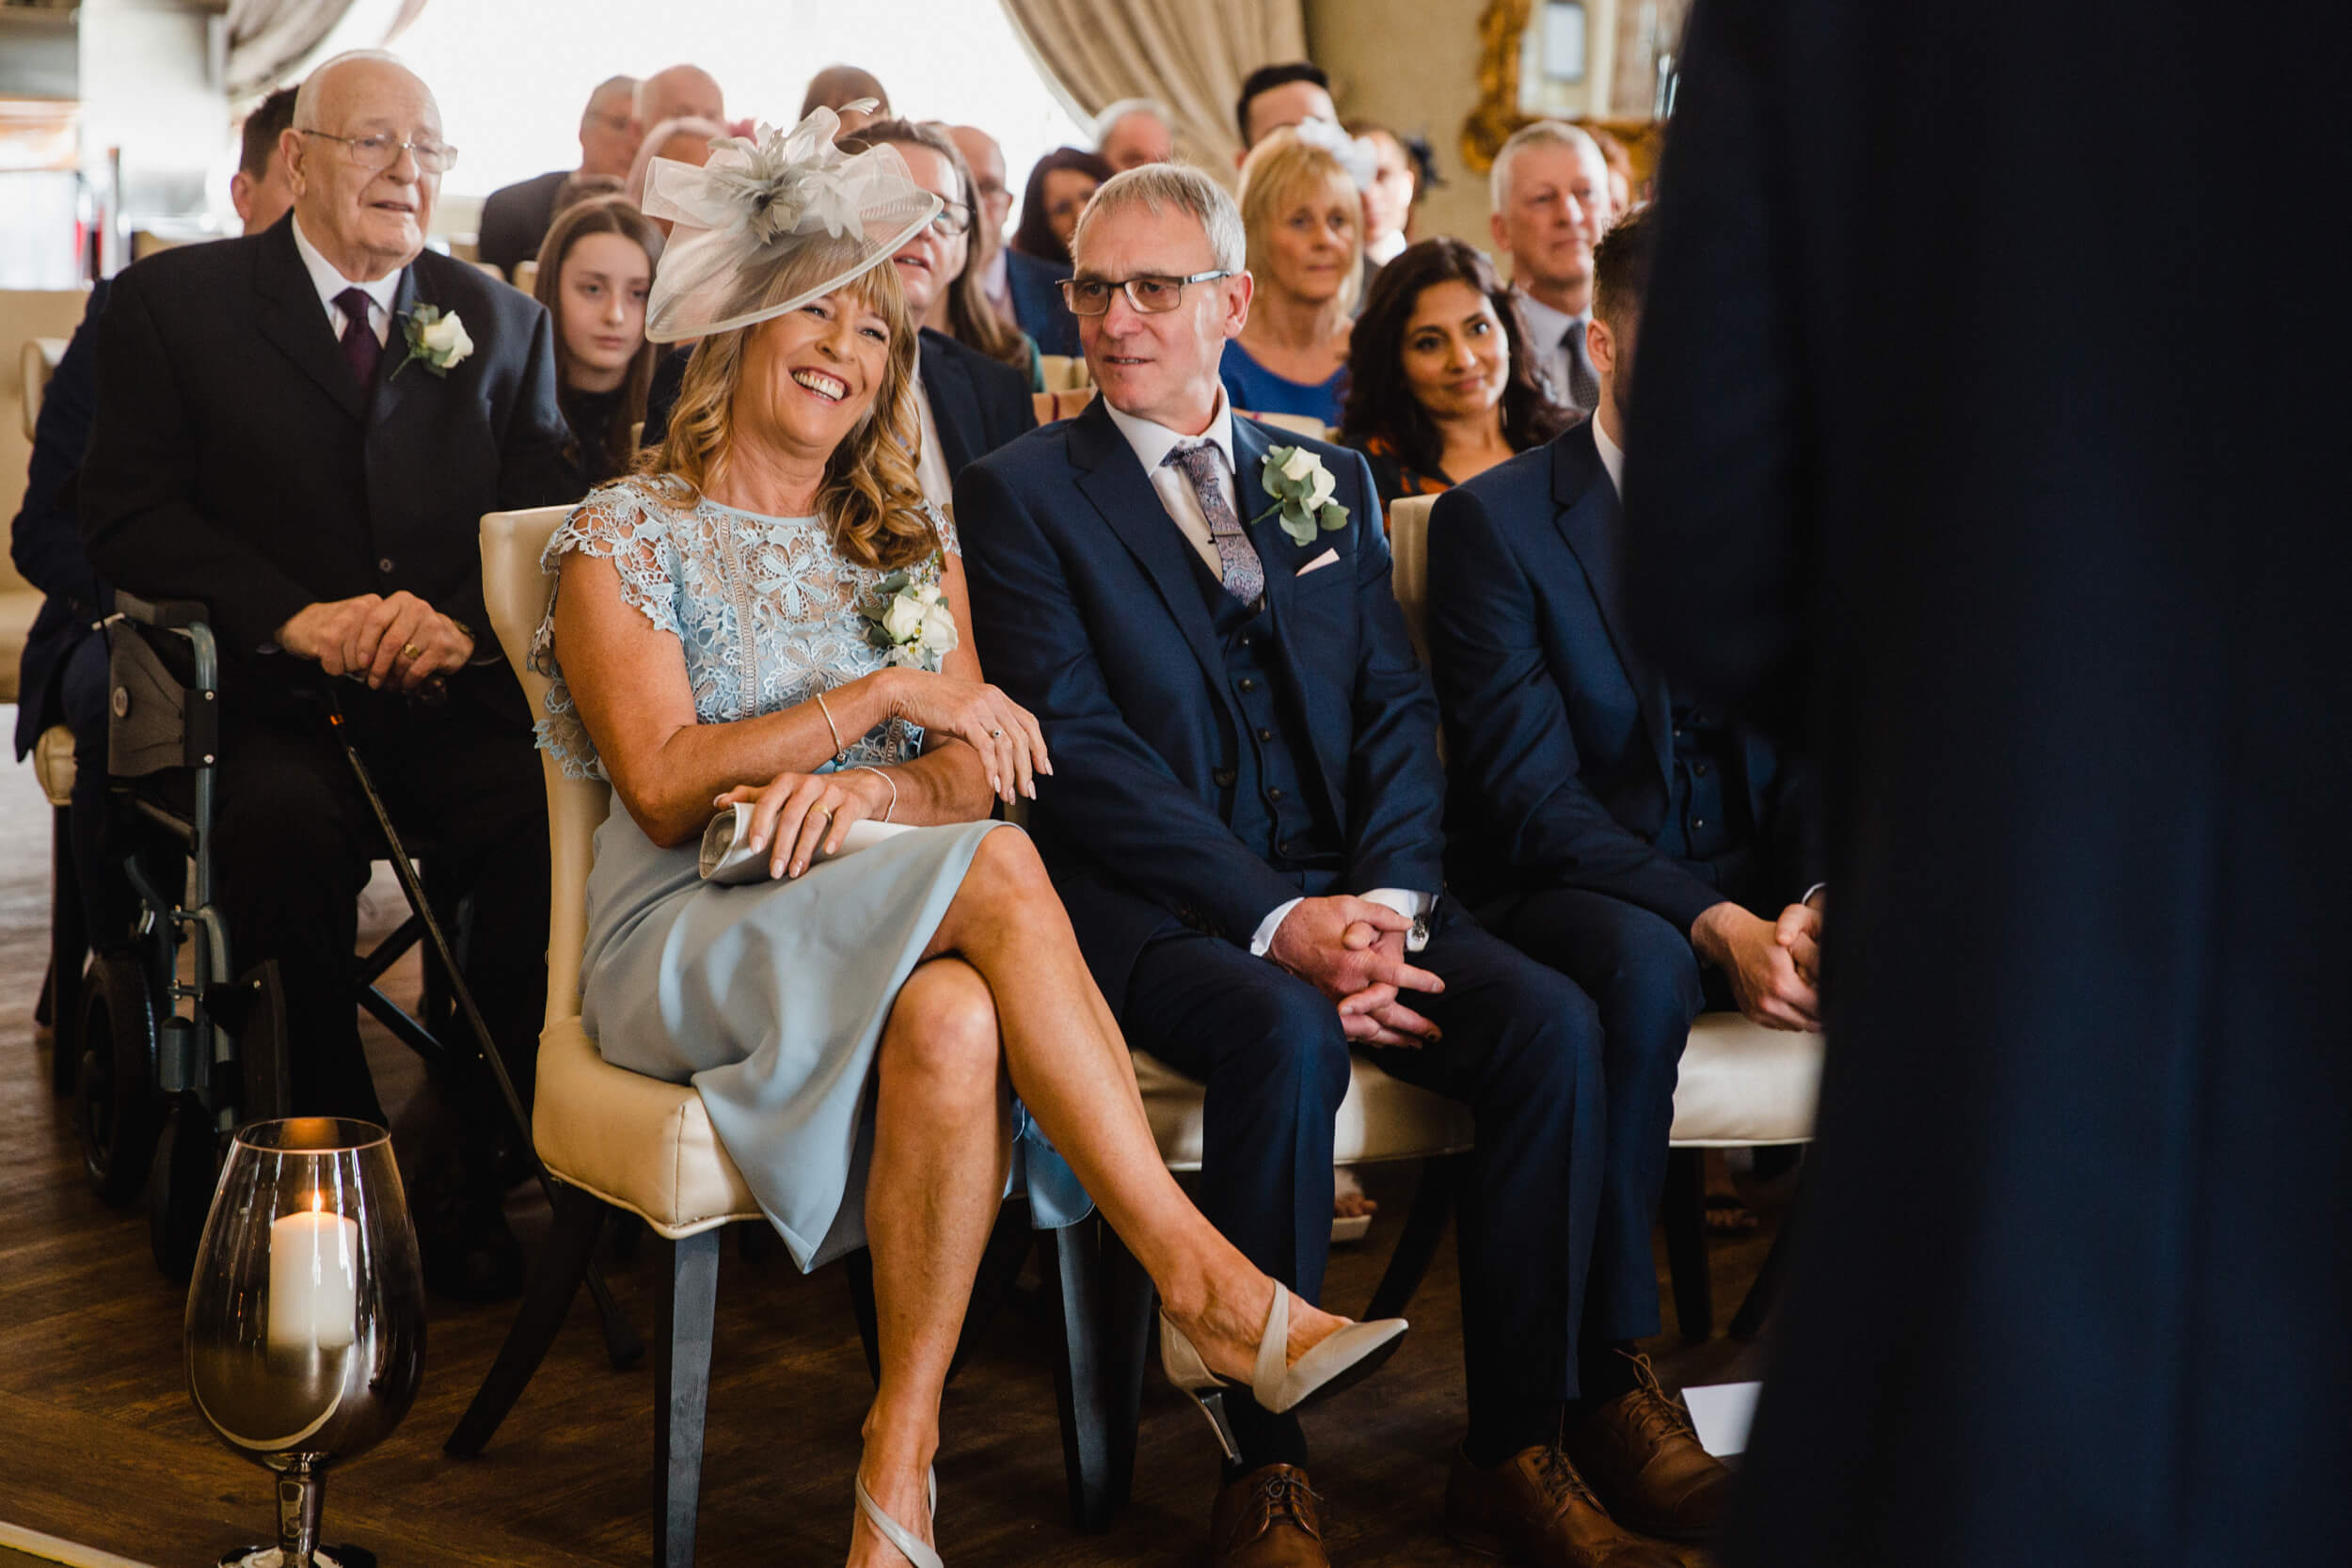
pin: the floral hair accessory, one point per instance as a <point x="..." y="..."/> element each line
<point x="1356" y="154"/>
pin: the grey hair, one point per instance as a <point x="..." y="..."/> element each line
<point x="306" y="113"/>
<point x="1157" y="187"/>
<point x="1544" y="133"/>
<point x="1125" y="106"/>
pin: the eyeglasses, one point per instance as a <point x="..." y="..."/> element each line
<point x="1153" y="295"/>
<point x="952" y="218"/>
<point x="380" y="152"/>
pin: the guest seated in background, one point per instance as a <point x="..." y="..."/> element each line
<point x="514" y="217"/>
<point x="1389" y="196"/>
<point x="251" y="403"/>
<point x="1276" y="96"/>
<point x="1614" y="152"/>
<point x="577" y="188"/>
<point x="1551" y="205"/>
<point x="61" y="675"/>
<point x="971" y="397"/>
<point x="679" y="92"/>
<point x="1304" y="218"/>
<point x="1038" y="259"/>
<point x="1244" y="820"/>
<point x="681" y="141"/>
<point x="837" y="86"/>
<point x="594" y="271"/>
<point x="1441" y="385"/>
<point x="1133" y="132"/>
<point x="851" y="1026"/>
<point x="1638" y="842"/>
<point x="993" y="197"/>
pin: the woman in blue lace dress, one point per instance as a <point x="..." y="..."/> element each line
<point x="858" y="1027"/>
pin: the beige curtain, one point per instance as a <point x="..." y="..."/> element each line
<point x="1190" y="55"/>
<point x="268" y="38"/>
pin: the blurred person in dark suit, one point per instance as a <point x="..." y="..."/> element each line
<point x="284" y="432"/>
<point x="1958" y="439"/>
<point x="514" y="217"/>
<point x="837" y="86"/>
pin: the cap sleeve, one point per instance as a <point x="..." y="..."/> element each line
<point x="621" y="523"/>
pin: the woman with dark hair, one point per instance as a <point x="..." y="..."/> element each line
<point x="595" y="268"/>
<point x="1038" y="258"/>
<point x="1441" y="382"/>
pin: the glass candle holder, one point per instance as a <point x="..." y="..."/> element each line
<point x="306" y="1315"/>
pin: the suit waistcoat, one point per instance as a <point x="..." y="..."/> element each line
<point x="1271" y="795"/>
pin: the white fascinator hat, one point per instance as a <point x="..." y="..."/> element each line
<point x="772" y="222"/>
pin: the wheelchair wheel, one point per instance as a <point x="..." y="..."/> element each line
<point x="63" y="994"/>
<point x="119" y="1113"/>
<point x="180" y="1187"/>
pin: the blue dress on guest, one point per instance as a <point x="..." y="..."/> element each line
<point x="1253" y="388"/>
<point x="771" y="997"/>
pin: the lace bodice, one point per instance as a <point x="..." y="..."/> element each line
<point x="765" y="613"/>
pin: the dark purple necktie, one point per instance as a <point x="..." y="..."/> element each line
<point x="360" y="349"/>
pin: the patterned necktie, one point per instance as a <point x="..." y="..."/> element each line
<point x="1583" y="385"/>
<point x="360" y="349"/>
<point x="1243" y="572"/>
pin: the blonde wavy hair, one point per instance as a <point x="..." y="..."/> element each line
<point x="871" y="494"/>
<point x="1281" y="172"/>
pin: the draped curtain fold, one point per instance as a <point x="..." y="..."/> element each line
<point x="1190" y="55"/>
<point x="268" y="38"/>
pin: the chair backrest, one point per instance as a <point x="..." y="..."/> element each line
<point x="517" y="591"/>
<point x="526" y="276"/>
<point x="1300" y="424"/>
<point x="37" y="365"/>
<point x="1064" y="372"/>
<point x="1409" y="565"/>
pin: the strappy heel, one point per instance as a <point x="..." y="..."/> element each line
<point x="1343" y="1359"/>
<point x="901" y="1540"/>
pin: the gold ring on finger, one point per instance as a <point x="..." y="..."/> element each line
<point x="409" y="650"/>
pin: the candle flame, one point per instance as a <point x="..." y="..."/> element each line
<point x="318" y="1202"/>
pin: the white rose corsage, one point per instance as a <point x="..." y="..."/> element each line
<point x="1301" y="487"/>
<point x="915" y="628"/>
<point x="439" y="340"/>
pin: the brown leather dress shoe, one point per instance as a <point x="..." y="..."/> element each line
<point x="1266" y="1519"/>
<point x="1535" y="1508"/>
<point x="1641" y="1454"/>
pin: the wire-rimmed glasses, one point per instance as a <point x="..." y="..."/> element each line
<point x="1151" y="293"/>
<point x="380" y="151"/>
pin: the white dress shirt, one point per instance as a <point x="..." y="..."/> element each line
<point x="328" y="282"/>
<point x="1611" y="456"/>
<point x="930" y="465"/>
<point x="996" y="285"/>
<point x="1387" y="248"/>
<point x="1152" y="443"/>
<point x="1547" y="340"/>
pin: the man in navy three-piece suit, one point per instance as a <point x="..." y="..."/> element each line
<point x="1245" y="822"/>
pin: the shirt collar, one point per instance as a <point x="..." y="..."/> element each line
<point x="1154" y="442"/>
<point x="1545" y="325"/>
<point x="330" y="282"/>
<point x="1611" y="456"/>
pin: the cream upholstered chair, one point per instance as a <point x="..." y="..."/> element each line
<point x="1064" y="372"/>
<point x="1740" y="1085"/>
<point x="34" y="325"/>
<point x="1298" y="424"/>
<point x="618" y="1140"/>
<point x="35" y="366"/>
<point x="526" y="276"/>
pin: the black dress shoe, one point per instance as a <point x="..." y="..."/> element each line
<point x="469" y="1253"/>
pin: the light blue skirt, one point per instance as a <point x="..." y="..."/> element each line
<point x="770" y="999"/>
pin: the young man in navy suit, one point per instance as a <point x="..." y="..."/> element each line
<point x="1245" y="820"/>
<point x="1636" y="840"/>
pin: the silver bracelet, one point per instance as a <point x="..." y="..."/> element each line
<point x="840" y="752"/>
<point x="869" y="767"/>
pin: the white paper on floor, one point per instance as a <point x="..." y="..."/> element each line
<point x="1721" y="1411"/>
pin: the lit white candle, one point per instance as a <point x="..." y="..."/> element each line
<point x="314" y="1280"/>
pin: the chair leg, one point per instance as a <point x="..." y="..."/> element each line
<point x="1129" y="1305"/>
<point x="579" y="1219"/>
<point x="682" y="1394"/>
<point x="1434" y="1201"/>
<point x="1757" y="1305"/>
<point x="860" y="1266"/>
<point x="1685" y="1217"/>
<point x="1078" y="1372"/>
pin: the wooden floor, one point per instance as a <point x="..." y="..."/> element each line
<point x="99" y="1444"/>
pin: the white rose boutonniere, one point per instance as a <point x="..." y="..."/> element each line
<point x="915" y="628"/>
<point x="1301" y="487"/>
<point x="440" y="340"/>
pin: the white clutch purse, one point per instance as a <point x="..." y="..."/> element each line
<point x="727" y="860"/>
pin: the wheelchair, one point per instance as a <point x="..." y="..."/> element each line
<point x="177" y="1048"/>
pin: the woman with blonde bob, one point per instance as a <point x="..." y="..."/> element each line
<point x="1304" y="219"/>
<point x="859" y="1027"/>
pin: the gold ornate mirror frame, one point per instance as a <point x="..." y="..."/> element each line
<point x="1502" y="37"/>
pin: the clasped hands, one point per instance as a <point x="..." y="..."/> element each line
<point x="1774" y="966"/>
<point x="1353" y="951"/>
<point x="378" y="637"/>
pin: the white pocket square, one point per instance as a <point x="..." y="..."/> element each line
<point x="1326" y="559"/>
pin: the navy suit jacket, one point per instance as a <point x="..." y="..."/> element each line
<point x="46" y="541"/>
<point x="514" y="220"/>
<point x="1037" y="303"/>
<point x="1558" y="730"/>
<point x="236" y="461"/>
<point x="1088" y="610"/>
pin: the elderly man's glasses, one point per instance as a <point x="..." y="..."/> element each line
<point x="380" y="152"/>
<point x="1151" y="295"/>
